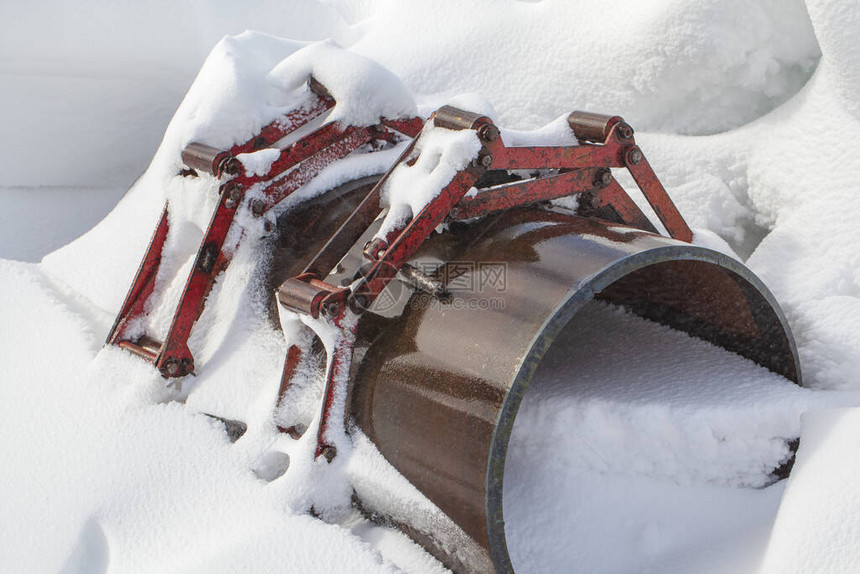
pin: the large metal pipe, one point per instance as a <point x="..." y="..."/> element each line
<point x="437" y="389"/>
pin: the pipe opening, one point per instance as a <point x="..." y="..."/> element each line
<point x="661" y="390"/>
<point x="640" y="448"/>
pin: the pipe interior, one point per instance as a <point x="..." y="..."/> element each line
<point x="638" y="447"/>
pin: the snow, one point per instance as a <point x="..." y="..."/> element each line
<point x="675" y="496"/>
<point x="259" y="162"/>
<point x="745" y="110"/>
<point x="804" y="538"/>
<point x="439" y="154"/>
<point x="670" y="65"/>
<point x="364" y="90"/>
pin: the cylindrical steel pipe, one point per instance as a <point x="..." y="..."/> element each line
<point x="438" y="389"/>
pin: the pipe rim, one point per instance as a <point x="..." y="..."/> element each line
<point x="578" y="296"/>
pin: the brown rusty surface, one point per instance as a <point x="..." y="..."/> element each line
<point x="437" y="390"/>
<point x="305" y="229"/>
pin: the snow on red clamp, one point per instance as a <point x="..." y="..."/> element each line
<point x="301" y="160"/>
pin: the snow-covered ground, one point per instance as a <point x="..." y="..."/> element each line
<point x="747" y="111"/>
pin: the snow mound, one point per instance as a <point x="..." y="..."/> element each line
<point x="819" y="518"/>
<point x="364" y="90"/>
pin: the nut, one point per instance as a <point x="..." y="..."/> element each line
<point x="186" y="366"/>
<point x="328" y="452"/>
<point x="587" y="201"/>
<point x="634" y="156"/>
<point x="233" y="195"/>
<point x="230" y="165"/>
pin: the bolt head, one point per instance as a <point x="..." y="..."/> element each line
<point x="624" y="131"/>
<point x="328" y="452"/>
<point x="172" y="367"/>
<point x="258" y="206"/>
<point x="587" y="201"/>
<point x="231" y="165"/>
<point x="233" y="196"/>
<point x="634" y="156"/>
<point x="488" y="133"/>
<point x="486" y="160"/>
<point x="330" y="310"/>
<point x="602" y="178"/>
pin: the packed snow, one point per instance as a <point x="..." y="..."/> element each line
<point x="438" y="155"/>
<point x="745" y="110"/>
<point x="657" y="447"/>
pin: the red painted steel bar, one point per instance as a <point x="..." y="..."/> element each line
<point x="175" y="358"/>
<point x="410" y="237"/>
<point x="557" y="157"/>
<point x="409" y="127"/>
<point x="350" y="140"/>
<point x="291" y="365"/>
<point x="285" y="125"/>
<point x="144" y="281"/>
<point x="335" y="385"/>
<point x="614" y="196"/>
<point x="298" y="152"/>
<point x="525" y="192"/>
<point x="657" y="197"/>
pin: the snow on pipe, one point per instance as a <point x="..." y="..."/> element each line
<point x="439" y="387"/>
